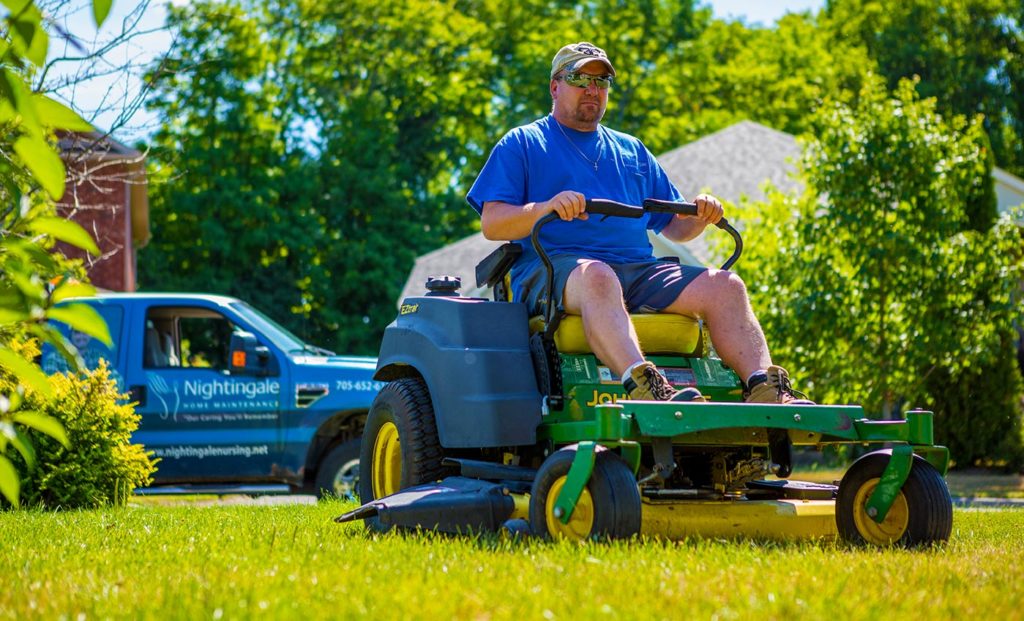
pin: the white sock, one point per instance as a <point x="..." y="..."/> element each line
<point x="629" y="370"/>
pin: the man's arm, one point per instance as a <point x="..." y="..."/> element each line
<point x="685" y="228"/>
<point x="506" y="222"/>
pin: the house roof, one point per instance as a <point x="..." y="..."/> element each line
<point x="731" y="164"/>
<point x="1009" y="190"/>
<point x="734" y="162"/>
<point x="95" y="145"/>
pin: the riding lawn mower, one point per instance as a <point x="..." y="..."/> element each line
<point x="495" y="421"/>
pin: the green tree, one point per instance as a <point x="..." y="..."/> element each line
<point x="968" y="54"/>
<point x="396" y="100"/>
<point x="877" y="285"/>
<point x="777" y="76"/>
<point x="232" y="188"/>
<point x="312" y="151"/>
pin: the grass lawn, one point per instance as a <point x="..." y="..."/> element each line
<point x="292" y="561"/>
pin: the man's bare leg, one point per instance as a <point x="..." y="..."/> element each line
<point x="720" y="298"/>
<point x="594" y="292"/>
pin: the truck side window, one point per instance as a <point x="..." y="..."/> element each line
<point x="92" y="350"/>
<point x="159" y="350"/>
<point x="205" y="342"/>
<point x="186" y="337"/>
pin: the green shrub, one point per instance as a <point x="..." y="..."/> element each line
<point x="979" y="413"/>
<point x="102" y="466"/>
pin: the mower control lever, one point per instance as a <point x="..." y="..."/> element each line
<point x="605" y="207"/>
<point x="653" y="205"/>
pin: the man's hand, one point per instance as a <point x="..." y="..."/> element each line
<point x="709" y="209"/>
<point x="568" y="205"/>
<point x="684" y="228"/>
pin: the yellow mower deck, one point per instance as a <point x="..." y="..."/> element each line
<point x="760" y="519"/>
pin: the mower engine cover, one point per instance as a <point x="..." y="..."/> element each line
<point x="474" y="356"/>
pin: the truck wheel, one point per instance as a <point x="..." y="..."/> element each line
<point x="338" y="473"/>
<point x="921" y="514"/>
<point x="608" y="507"/>
<point x="400" y="446"/>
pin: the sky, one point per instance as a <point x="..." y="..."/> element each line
<point x="101" y="98"/>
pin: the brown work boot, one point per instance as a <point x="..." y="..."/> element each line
<point x="646" y="383"/>
<point x="775" y="389"/>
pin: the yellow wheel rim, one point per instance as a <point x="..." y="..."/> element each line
<point x="387" y="461"/>
<point x="891" y="528"/>
<point x="580" y="525"/>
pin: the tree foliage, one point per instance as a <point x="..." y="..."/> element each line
<point x="878" y="290"/>
<point x="968" y="54"/>
<point x="776" y="76"/>
<point x="231" y="198"/>
<point x="31" y="177"/>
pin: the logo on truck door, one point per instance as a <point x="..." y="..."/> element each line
<point x="212" y="395"/>
<point x="168" y="397"/>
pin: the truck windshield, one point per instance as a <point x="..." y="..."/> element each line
<point x="276" y="333"/>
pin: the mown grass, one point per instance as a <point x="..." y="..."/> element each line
<point x="291" y="562"/>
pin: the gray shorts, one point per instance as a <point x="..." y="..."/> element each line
<point x="647" y="287"/>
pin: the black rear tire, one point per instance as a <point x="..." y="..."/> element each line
<point x="921" y="515"/>
<point x="610" y="506"/>
<point x="403" y="409"/>
<point x="338" y="473"/>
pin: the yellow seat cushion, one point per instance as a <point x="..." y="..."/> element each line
<point x="658" y="333"/>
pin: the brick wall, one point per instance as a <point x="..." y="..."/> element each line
<point x="100" y="204"/>
<point x="106" y="195"/>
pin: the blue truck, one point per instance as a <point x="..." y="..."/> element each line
<point x="231" y="402"/>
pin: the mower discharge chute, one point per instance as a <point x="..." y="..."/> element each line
<point x="493" y="420"/>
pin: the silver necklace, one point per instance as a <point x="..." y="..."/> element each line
<point x="600" y="146"/>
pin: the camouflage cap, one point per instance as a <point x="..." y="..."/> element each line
<point x="571" y="57"/>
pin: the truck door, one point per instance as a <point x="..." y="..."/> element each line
<point x="205" y="424"/>
<point x="91" y="350"/>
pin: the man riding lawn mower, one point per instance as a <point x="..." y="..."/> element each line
<point x="590" y="405"/>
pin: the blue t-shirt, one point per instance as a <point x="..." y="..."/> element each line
<point x="534" y="162"/>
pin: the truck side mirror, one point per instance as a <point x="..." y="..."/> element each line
<point x="247" y="356"/>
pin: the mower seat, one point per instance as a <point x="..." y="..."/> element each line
<point x="658" y="334"/>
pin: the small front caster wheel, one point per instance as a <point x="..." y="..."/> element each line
<point x="922" y="513"/>
<point x="608" y="507"/>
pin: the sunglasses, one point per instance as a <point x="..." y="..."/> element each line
<point x="582" y="80"/>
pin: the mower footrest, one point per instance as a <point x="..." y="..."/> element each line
<point x="476" y="469"/>
<point x="798" y="490"/>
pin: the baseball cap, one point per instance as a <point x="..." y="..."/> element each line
<point x="571" y="57"/>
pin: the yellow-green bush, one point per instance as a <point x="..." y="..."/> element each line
<point x="101" y="467"/>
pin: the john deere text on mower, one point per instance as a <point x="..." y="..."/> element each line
<point x="494" y="420"/>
